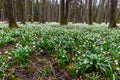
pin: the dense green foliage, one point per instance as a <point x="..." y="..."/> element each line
<point x="88" y="51"/>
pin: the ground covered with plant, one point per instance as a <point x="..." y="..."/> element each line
<point x="53" y="52"/>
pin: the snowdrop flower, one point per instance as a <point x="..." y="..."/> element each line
<point x="63" y="56"/>
<point x="41" y="50"/>
<point x="74" y="59"/>
<point x="116" y="62"/>
<point x="79" y="52"/>
<point x="118" y="68"/>
<point x="76" y="55"/>
<point x="3" y="63"/>
<point x="83" y="55"/>
<point x="9" y="58"/>
<point x="78" y="58"/>
<point x="6" y="52"/>
<point x="33" y="46"/>
<point x="17" y="45"/>
<point x="91" y="63"/>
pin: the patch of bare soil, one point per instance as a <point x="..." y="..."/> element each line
<point x="41" y="67"/>
<point x="6" y="48"/>
<point x="36" y="69"/>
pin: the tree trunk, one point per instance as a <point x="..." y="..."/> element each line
<point x="107" y="10"/>
<point x="62" y="19"/>
<point x="42" y="20"/>
<point x="2" y="14"/>
<point x="112" y="23"/>
<point x="66" y="14"/>
<point x="100" y="11"/>
<point x="32" y="15"/>
<point x="22" y="8"/>
<point x="90" y="22"/>
<point x="11" y="17"/>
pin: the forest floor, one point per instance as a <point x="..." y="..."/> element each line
<point x="54" y="52"/>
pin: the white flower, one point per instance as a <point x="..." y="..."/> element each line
<point x="91" y="63"/>
<point x="74" y="59"/>
<point x="78" y="58"/>
<point x="17" y="45"/>
<point x="41" y="50"/>
<point x="63" y="56"/>
<point x="118" y="68"/>
<point x="6" y="52"/>
<point x="83" y="55"/>
<point x="33" y="46"/>
<point x="76" y="55"/>
<point x="33" y="42"/>
<point x="116" y="62"/>
<point x="9" y="58"/>
<point x="79" y="52"/>
<point x="3" y="63"/>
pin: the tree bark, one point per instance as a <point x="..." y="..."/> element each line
<point x="66" y="14"/>
<point x="62" y="19"/>
<point x="11" y="17"/>
<point x="100" y="11"/>
<point x="90" y="21"/>
<point x="22" y="8"/>
<point x="32" y="11"/>
<point x="42" y="20"/>
<point x="112" y="22"/>
<point x="107" y="10"/>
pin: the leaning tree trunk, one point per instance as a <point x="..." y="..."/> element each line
<point x="112" y="23"/>
<point x="11" y="17"/>
<point x="22" y="8"/>
<point x="90" y="22"/>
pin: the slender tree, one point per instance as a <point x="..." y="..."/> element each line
<point x="64" y="11"/>
<point x="90" y="22"/>
<point x="62" y="19"/>
<point x="11" y="17"/>
<point x="42" y="20"/>
<point x="66" y="14"/>
<point x="22" y="8"/>
<point x="32" y="15"/>
<point x="107" y="10"/>
<point x="100" y="11"/>
<point x="112" y="22"/>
